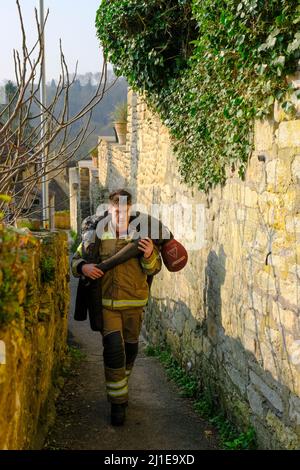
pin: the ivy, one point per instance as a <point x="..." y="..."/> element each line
<point x="47" y="267"/>
<point x="138" y="38"/>
<point x="208" y="68"/>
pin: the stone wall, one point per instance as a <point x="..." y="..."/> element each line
<point x="84" y="195"/>
<point x="232" y="315"/>
<point x="73" y="196"/>
<point x="84" y="192"/>
<point x="62" y="220"/>
<point x="34" y="299"/>
<point x="95" y="192"/>
<point x="113" y="165"/>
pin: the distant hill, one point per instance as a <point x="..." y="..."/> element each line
<point x="82" y="90"/>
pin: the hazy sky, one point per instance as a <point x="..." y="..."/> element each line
<point x="71" y="20"/>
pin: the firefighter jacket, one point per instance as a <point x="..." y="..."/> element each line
<point x="125" y="285"/>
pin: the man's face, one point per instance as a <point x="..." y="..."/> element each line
<point x="120" y="212"/>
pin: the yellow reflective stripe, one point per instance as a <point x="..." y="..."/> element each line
<point x="79" y="249"/>
<point x="151" y="261"/>
<point x="119" y="384"/>
<point x="118" y="393"/>
<point x="124" y="303"/>
<point x="148" y="265"/>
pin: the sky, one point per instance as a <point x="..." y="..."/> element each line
<point x="71" y="20"/>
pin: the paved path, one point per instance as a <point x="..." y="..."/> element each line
<point x="157" y="417"/>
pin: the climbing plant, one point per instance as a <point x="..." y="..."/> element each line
<point x="147" y="41"/>
<point x="208" y="67"/>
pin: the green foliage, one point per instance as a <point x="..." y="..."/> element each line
<point x="9" y="305"/>
<point x="119" y="113"/>
<point x="187" y="383"/>
<point x="32" y="224"/>
<point x="76" y="354"/>
<point x="47" y="266"/>
<point x="11" y="276"/>
<point x="81" y="93"/>
<point x="147" y="41"/>
<point x="94" y="152"/>
<point x="73" y="234"/>
<point x="11" y="91"/>
<point x="231" y="439"/>
<point x="208" y="68"/>
<point x="11" y="95"/>
<point x="243" y="441"/>
<point x="76" y="240"/>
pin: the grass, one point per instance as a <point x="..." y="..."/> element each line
<point x="69" y="370"/>
<point x="230" y="438"/>
<point x="76" y="354"/>
<point x="74" y="357"/>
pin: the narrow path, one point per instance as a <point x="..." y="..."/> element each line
<point x="157" y="417"/>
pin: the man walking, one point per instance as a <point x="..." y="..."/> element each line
<point x="125" y="293"/>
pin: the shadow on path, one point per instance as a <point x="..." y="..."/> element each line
<point x="157" y="417"/>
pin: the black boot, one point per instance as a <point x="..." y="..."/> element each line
<point x="117" y="416"/>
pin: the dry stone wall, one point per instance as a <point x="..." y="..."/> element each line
<point x="232" y="315"/>
<point x="34" y="300"/>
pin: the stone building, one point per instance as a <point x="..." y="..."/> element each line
<point x="232" y="315"/>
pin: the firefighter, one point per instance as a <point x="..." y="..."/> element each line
<point x="125" y="293"/>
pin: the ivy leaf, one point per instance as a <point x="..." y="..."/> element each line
<point x="293" y="46"/>
<point x="288" y="107"/>
<point x="226" y="113"/>
<point x="279" y="61"/>
<point x="262" y="47"/>
<point x="240" y="39"/>
<point x="212" y="53"/>
<point x="271" y="40"/>
<point x="261" y="68"/>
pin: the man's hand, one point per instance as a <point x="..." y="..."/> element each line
<point x="90" y="270"/>
<point x="146" y="245"/>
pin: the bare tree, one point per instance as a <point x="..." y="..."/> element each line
<point x="22" y="119"/>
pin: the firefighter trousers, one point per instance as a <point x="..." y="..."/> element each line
<point x="120" y="336"/>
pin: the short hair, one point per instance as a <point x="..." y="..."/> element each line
<point x="115" y="195"/>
